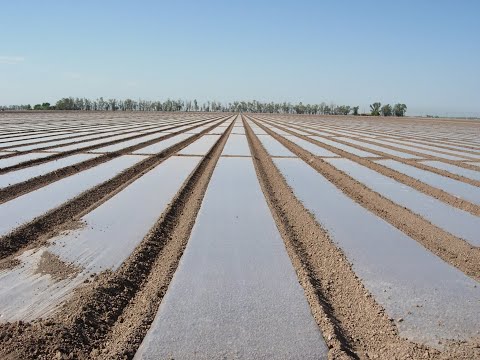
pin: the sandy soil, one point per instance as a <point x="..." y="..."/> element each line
<point x="110" y="314"/>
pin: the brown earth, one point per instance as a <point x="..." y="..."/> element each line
<point x="108" y="317"/>
<point x="34" y="232"/>
<point x="353" y="324"/>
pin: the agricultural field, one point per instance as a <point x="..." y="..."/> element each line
<point x="153" y="235"/>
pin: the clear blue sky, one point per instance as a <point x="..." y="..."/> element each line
<point x="425" y="53"/>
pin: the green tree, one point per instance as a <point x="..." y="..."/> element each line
<point x="43" y="106"/>
<point x="342" y="110"/>
<point x="387" y="110"/>
<point x="254" y="106"/>
<point x="112" y="104"/>
<point x="65" y="104"/>
<point x="400" y="109"/>
<point x="375" y="109"/>
<point x="128" y="104"/>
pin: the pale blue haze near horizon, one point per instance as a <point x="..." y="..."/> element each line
<point x="425" y="54"/>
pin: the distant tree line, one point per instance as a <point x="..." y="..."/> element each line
<point x="101" y="104"/>
<point x="376" y="109"/>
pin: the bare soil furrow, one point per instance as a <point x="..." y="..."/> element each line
<point x="450" y="248"/>
<point x="422" y="140"/>
<point x="58" y="155"/>
<point x="432" y="141"/>
<point x="127" y="335"/>
<point x="353" y="324"/>
<point x="378" y="216"/>
<point x="411" y="137"/>
<point x="91" y="146"/>
<point x="109" y="317"/>
<point x="48" y="132"/>
<point x="46" y="135"/>
<point x="45" y="139"/>
<point x="421" y="145"/>
<point x="413" y="162"/>
<point x="407" y="180"/>
<point x="335" y="129"/>
<point x="33" y="233"/>
<point x="11" y="192"/>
